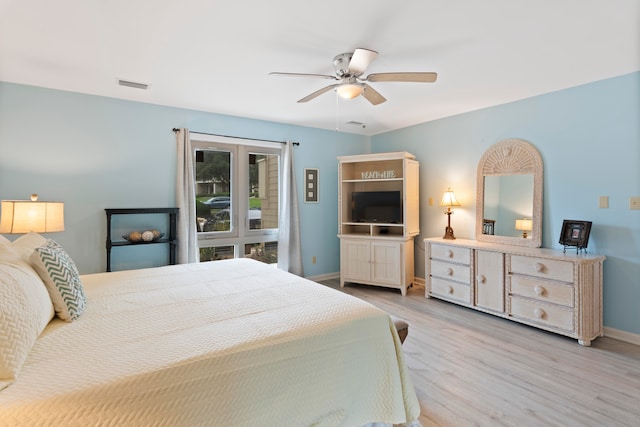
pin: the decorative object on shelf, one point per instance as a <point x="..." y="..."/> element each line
<point x="378" y="174"/>
<point x="24" y="216"/>
<point x="524" y="225"/>
<point x="311" y="185"/>
<point x="449" y="200"/>
<point x="575" y="233"/>
<point x="488" y="226"/>
<point x="143" y="236"/>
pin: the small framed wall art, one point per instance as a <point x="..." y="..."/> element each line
<point x="311" y="185"/>
<point x="575" y="233"/>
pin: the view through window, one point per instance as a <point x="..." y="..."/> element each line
<point x="237" y="200"/>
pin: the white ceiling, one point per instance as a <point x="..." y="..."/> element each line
<point x="216" y="56"/>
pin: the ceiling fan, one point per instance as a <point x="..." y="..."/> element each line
<point x="350" y="67"/>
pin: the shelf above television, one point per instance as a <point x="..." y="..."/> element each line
<point x="379" y="224"/>
<point x="373" y="180"/>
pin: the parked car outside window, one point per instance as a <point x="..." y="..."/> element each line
<point x="218" y="202"/>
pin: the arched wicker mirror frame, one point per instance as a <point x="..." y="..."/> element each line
<point x="511" y="157"/>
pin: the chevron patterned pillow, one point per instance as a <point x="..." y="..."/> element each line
<point x="60" y="275"/>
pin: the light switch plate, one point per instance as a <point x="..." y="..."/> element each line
<point x="603" y="202"/>
<point x="634" y="203"/>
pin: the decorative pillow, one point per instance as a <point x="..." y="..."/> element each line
<point x="61" y="277"/>
<point x="25" y="310"/>
<point x="26" y="244"/>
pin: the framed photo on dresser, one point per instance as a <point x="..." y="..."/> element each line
<point x="575" y="233"/>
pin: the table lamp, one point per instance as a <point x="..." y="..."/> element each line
<point x="448" y="200"/>
<point x="24" y="216"/>
<point x="524" y="225"/>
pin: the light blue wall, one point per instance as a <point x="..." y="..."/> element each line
<point x="94" y="153"/>
<point x="589" y="139"/>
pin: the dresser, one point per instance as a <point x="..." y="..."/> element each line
<point x="544" y="288"/>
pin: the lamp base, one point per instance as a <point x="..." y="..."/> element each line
<point x="448" y="233"/>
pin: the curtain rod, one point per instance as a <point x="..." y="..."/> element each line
<point x="238" y="137"/>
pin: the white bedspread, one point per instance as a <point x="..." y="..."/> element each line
<point x="225" y="343"/>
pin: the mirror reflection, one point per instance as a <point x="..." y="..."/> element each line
<point x="509" y="194"/>
<point x="507" y="198"/>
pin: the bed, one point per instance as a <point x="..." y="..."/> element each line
<point x="229" y="343"/>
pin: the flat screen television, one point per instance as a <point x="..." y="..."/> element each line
<point x="376" y="206"/>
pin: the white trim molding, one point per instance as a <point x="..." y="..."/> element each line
<point x="622" y="335"/>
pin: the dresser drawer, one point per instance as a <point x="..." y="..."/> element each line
<point x="541" y="290"/>
<point x="451" y="253"/>
<point x="447" y="270"/>
<point x="542" y="314"/>
<point x="542" y="267"/>
<point x="451" y="290"/>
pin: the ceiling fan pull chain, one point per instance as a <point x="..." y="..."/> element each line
<point x="337" y="101"/>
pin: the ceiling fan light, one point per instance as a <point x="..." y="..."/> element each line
<point x="349" y="91"/>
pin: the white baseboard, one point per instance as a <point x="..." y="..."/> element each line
<point x="622" y="335"/>
<point x="322" y="277"/>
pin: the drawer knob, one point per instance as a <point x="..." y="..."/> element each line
<point x="539" y="313"/>
<point x="449" y="253"/>
<point x="539" y="290"/>
<point x="482" y="278"/>
<point x="450" y="271"/>
<point x="539" y="267"/>
<point x="449" y="289"/>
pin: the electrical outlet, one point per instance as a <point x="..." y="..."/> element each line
<point x="313" y="259"/>
<point x="634" y="203"/>
<point x="430" y="201"/>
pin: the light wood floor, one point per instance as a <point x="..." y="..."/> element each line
<point x="474" y="369"/>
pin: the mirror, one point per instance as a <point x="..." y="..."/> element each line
<point x="509" y="194"/>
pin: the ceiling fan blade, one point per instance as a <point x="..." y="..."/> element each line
<point x="360" y="60"/>
<point x="318" y="93"/>
<point x="372" y="95"/>
<point x="403" y="77"/>
<point x="322" y="76"/>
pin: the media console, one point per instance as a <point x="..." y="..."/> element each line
<point x="376" y="252"/>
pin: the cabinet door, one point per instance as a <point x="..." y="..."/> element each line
<point x="386" y="265"/>
<point x="355" y="259"/>
<point x="490" y="280"/>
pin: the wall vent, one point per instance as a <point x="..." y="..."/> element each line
<point x="135" y="85"/>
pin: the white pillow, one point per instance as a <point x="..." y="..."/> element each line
<point x="26" y="244"/>
<point x="4" y="240"/>
<point x="62" y="279"/>
<point x="25" y="310"/>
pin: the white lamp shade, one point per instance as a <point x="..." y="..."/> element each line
<point x="24" y="216"/>
<point x="524" y="224"/>
<point x="449" y="199"/>
<point x="349" y="91"/>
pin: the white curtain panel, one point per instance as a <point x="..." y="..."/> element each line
<point x="185" y="200"/>
<point x="289" y="250"/>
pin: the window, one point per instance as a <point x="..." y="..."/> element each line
<point x="237" y="198"/>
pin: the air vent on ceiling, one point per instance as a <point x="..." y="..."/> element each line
<point x="354" y="123"/>
<point x="135" y="85"/>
